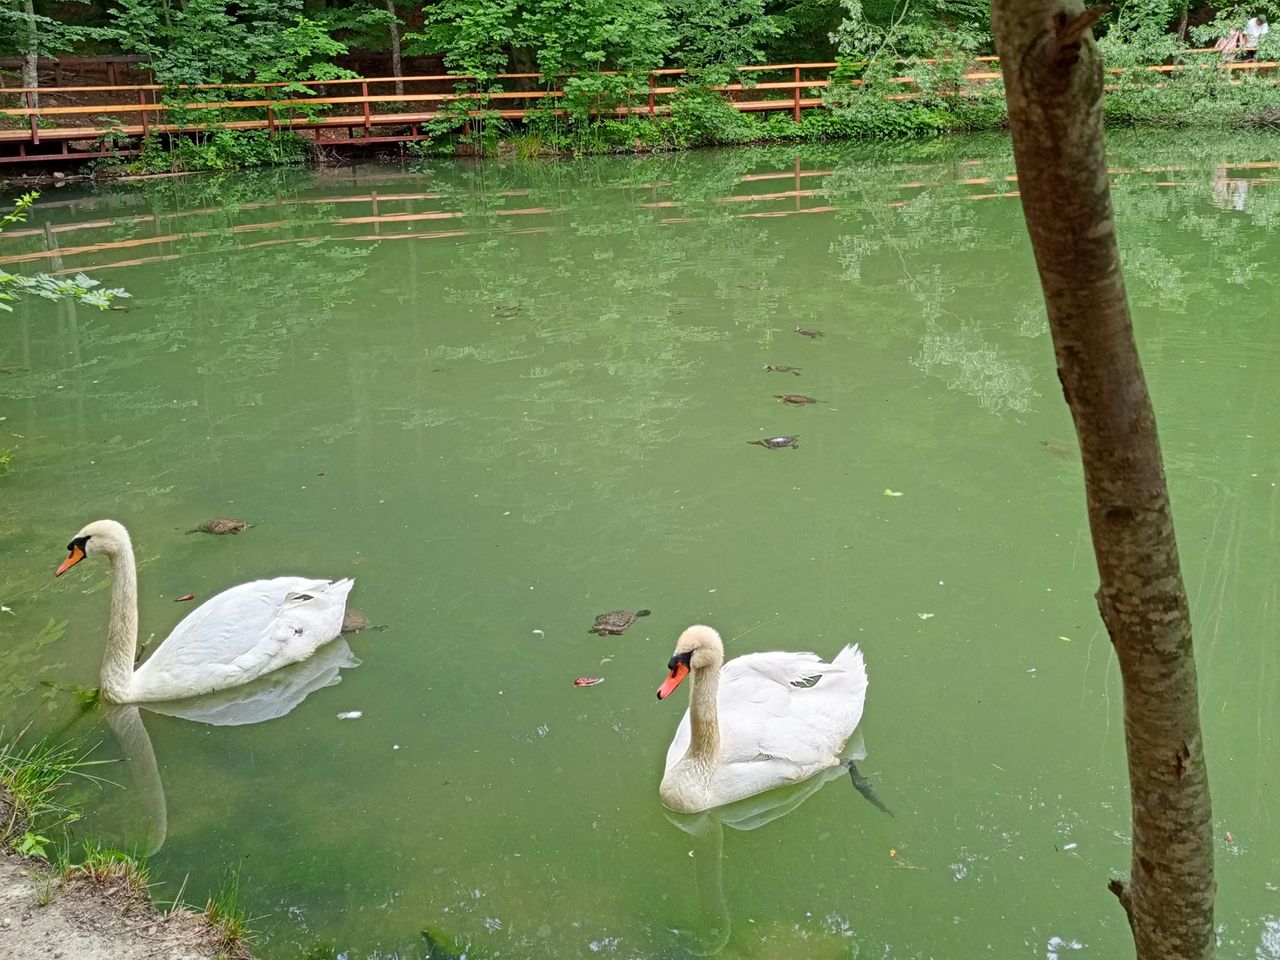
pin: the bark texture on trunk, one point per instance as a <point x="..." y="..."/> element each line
<point x="31" y="55"/>
<point x="394" y="29"/>
<point x="1053" y="77"/>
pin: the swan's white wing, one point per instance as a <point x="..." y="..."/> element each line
<point x="783" y="717"/>
<point x="241" y="634"/>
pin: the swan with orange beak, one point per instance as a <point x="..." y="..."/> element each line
<point x="760" y="721"/>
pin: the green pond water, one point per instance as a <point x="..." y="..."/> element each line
<point x="508" y="397"/>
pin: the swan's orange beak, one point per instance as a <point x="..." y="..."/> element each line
<point x="678" y="673"/>
<point x="74" y="557"/>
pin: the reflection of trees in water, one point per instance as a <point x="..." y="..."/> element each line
<point x="968" y="363"/>
<point x="922" y="253"/>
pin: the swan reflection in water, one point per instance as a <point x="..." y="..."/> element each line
<point x="266" y="698"/>
<point x="710" y="932"/>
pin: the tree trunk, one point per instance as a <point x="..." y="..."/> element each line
<point x="31" y="53"/>
<point x="394" y="29"/>
<point x="1182" y="21"/>
<point x="1053" y="78"/>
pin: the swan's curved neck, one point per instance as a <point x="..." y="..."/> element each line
<point x="122" y="632"/>
<point x="704" y="722"/>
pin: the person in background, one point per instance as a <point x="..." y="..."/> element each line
<point x="1255" y="29"/>
<point x="1229" y="45"/>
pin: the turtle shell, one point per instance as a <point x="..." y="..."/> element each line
<point x="353" y="621"/>
<point x="795" y="399"/>
<point x="777" y="443"/>
<point x="615" y="621"/>
<point x="220" y="526"/>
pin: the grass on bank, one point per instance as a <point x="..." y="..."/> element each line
<point x="34" y="823"/>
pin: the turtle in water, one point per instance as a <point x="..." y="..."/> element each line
<point x="1056" y="448"/>
<point x="220" y="526"/>
<point x="782" y="368"/>
<point x="809" y="332"/>
<point x="353" y="621"/>
<point x="777" y="443"/>
<point x="796" y="399"/>
<point x="615" y="621"/>
<point x="507" y="312"/>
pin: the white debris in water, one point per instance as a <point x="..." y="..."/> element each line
<point x="395" y="746"/>
<point x="1070" y="846"/>
<point x="925" y="616"/>
<point x="1057" y="945"/>
<point x="959" y="871"/>
<point x="608" y="944"/>
<point x="492" y="924"/>
<point x="351" y="715"/>
<point x="838" y="924"/>
<point x="539" y="633"/>
<point x="543" y="730"/>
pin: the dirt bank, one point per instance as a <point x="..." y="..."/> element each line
<point x="86" y="919"/>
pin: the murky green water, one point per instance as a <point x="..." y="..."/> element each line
<point x="332" y="357"/>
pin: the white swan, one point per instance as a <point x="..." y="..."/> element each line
<point x="760" y="721"/>
<point x="239" y="635"/>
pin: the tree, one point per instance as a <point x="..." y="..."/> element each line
<point x="1054" y="81"/>
<point x="32" y="35"/>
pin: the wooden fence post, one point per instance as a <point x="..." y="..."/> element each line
<point x="35" y="129"/>
<point x="146" y="128"/>
<point x="364" y="92"/>
<point x="651" y="107"/>
<point x="795" y="95"/>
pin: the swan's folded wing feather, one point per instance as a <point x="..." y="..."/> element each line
<point x="244" y="632"/>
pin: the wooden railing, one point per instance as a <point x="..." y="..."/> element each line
<point x="376" y="115"/>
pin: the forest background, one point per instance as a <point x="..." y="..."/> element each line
<point x="601" y="52"/>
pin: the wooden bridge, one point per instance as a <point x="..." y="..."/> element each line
<point x="83" y="122"/>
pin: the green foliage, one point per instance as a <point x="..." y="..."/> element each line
<point x="32" y="775"/>
<point x="720" y="32"/>
<point x="219" y="149"/>
<point x="1138" y="34"/>
<point x="567" y="36"/>
<point x="80" y="288"/>
<point x="51" y="34"/>
<point x="221" y="41"/>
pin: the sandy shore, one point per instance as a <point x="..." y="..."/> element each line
<point x="84" y="919"/>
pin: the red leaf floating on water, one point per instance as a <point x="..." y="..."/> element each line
<point x="185" y="596"/>
<point x="588" y="681"/>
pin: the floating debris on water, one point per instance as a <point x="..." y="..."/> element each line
<point x="351" y="715"/>
<point x="539" y="633"/>
<point x="588" y="681"/>
<point x="782" y="368"/>
<point x="809" y="332"/>
<point x="925" y="616"/>
<point x="892" y="493"/>
<point x="507" y="312"/>
<point x="185" y="597"/>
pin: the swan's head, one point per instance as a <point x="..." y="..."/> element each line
<point x="697" y="647"/>
<point x="102" y="538"/>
